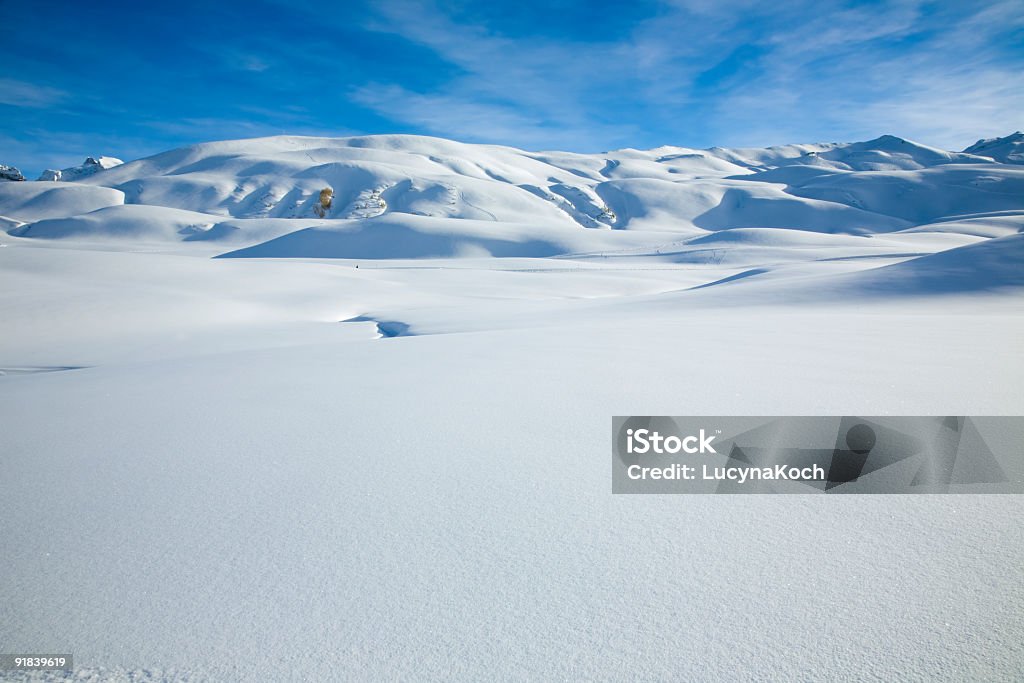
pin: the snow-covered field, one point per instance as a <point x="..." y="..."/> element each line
<point x="244" y="441"/>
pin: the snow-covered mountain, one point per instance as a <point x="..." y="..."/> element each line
<point x="10" y="173"/>
<point x="425" y="196"/>
<point x="1008" y="149"/>
<point x="87" y="168"/>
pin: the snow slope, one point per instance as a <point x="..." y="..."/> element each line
<point x="244" y="442"/>
<point x="1008" y="149"/>
<point x="28" y="202"/>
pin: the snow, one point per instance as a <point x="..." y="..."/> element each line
<point x="1008" y="149"/>
<point x="33" y="201"/>
<point x="10" y="173"/>
<point x="242" y="442"/>
<point x="90" y="166"/>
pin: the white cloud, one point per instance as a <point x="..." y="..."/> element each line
<point x="815" y="70"/>
<point x="30" y="95"/>
<point x="937" y="74"/>
<point x="458" y="118"/>
<point x="953" y="110"/>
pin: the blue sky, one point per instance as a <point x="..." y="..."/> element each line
<point x="135" y="78"/>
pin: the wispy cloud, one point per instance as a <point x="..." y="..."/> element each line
<point x="827" y="69"/>
<point x="253" y="63"/>
<point x="17" y="93"/>
<point x="902" y="71"/>
<point x="217" y="128"/>
<point x="523" y="91"/>
<point x="955" y="108"/>
<point x="481" y="121"/>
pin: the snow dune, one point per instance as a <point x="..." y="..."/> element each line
<point x="27" y="202"/>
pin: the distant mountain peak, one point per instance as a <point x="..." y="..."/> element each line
<point x="1008" y="149"/>
<point x="882" y="139"/>
<point x="87" y="168"/>
<point x="10" y="173"/>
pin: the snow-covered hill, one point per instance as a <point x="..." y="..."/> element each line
<point x="1008" y="149"/>
<point x="410" y="186"/>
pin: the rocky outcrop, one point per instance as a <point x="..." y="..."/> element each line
<point x="10" y="173"/>
<point x="87" y="168"/>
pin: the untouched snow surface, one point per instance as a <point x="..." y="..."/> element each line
<point x="243" y="442"/>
